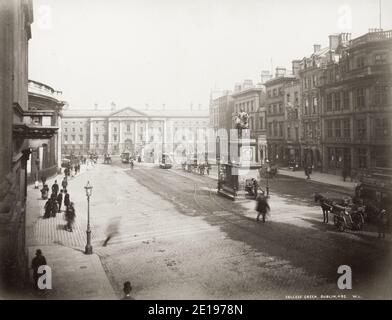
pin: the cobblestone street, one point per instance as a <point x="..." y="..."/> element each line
<point x="178" y="240"/>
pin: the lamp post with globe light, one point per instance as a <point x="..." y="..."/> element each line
<point x="89" y="191"/>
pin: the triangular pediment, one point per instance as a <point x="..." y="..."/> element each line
<point x="128" y="112"/>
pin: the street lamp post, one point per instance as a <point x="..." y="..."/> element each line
<point x="89" y="190"/>
<point x="268" y="172"/>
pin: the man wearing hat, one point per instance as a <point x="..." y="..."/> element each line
<point x="38" y="260"/>
<point x="127" y="291"/>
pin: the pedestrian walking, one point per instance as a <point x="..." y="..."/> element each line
<point x="60" y="200"/>
<point x="307" y="172"/>
<point x="55" y="188"/>
<point x="262" y="206"/>
<point x="64" y="183"/>
<point x="70" y="217"/>
<point x="127" y="291"/>
<point x="112" y="229"/>
<point x="38" y="260"/>
<point x="67" y="200"/>
<point x="48" y="209"/>
<point x="255" y="187"/>
<point x="43" y="180"/>
<point x="132" y="164"/>
<point x="45" y="192"/>
<point x="382" y="223"/>
<point x="54" y="206"/>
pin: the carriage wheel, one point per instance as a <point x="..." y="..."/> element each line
<point x="335" y="220"/>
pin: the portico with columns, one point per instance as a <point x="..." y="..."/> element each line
<point x="142" y="133"/>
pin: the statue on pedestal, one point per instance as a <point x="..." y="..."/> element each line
<point x="241" y="122"/>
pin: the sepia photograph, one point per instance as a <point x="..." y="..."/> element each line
<point x="218" y="151"/>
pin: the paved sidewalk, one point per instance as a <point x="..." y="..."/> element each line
<point x="320" y="177"/>
<point x="74" y="274"/>
<point x="314" y="177"/>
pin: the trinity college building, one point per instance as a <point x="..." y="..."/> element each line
<point x="147" y="132"/>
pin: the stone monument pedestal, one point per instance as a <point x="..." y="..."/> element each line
<point x="241" y="166"/>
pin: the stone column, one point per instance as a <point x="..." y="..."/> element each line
<point x="91" y="135"/>
<point x="110" y="147"/>
<point x="120" y="132"/>
<point x="146" y="132"/>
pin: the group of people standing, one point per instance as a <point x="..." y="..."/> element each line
<point x="72" y="170"/>
<point x="57" y="199"/>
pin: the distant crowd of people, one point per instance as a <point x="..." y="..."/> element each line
<point x="60" y="198"/>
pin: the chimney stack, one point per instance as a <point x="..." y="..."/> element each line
<point x="316" y="48"/>
<point x="334" y="41"/>
<point x="265" y="76"/>
<point x="280" y="72"/>
<point x="296" y="65"/>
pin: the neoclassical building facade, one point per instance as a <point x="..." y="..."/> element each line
<point x="147" y="133"/>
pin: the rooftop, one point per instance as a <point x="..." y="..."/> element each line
<point x="135" y="112"/>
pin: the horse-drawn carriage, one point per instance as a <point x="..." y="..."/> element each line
<point x="346" y="213"/>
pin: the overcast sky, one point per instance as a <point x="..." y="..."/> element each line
<point x="176" y="51"/>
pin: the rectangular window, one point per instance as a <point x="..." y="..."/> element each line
<point x="274" y="106"/>
<point x="288" y="133"/>
<point x="360" y="97"/>
<point x="346" y="128"/>
<point x="115" y="129"/>
<point x="96" y="137"/>
<point x="288" y="98"/>
<point x="337" y="100"/>
<point x="360" y="62"/>
<point x="66" y="138"/>
<point x="261" y="123"/>
<point x="73" y="138"/>
<point x="306" y="105"/>
<point x="296" y="99"/>
<point x="280" y="108"/>
<point x="380" y="58"/>
<point x="329" y="128"/>
<point x="65" y="129"/>
<point x="296" y="134"/>
<point x="275" y="129"/>
<point x="361" y="128"/>
<point x="128" y="128"/>
<point x="270" y="129"/>
<point x="329" y="101"/>
<point x="73" y="129"/>
<point x="381" y="95"/>
<point x="382" y="128"/>
<point x="80" y="138"/>
<point x="315" y="103"/>
<point x="382" y="157"/>
<point x="346" y="100"/>
<point x="314" y="80"/>
<point x="280" y="129"/>
<point x="115" y="138"/>
<point x="338" y="131"/>
<point x="362" y="158"/>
